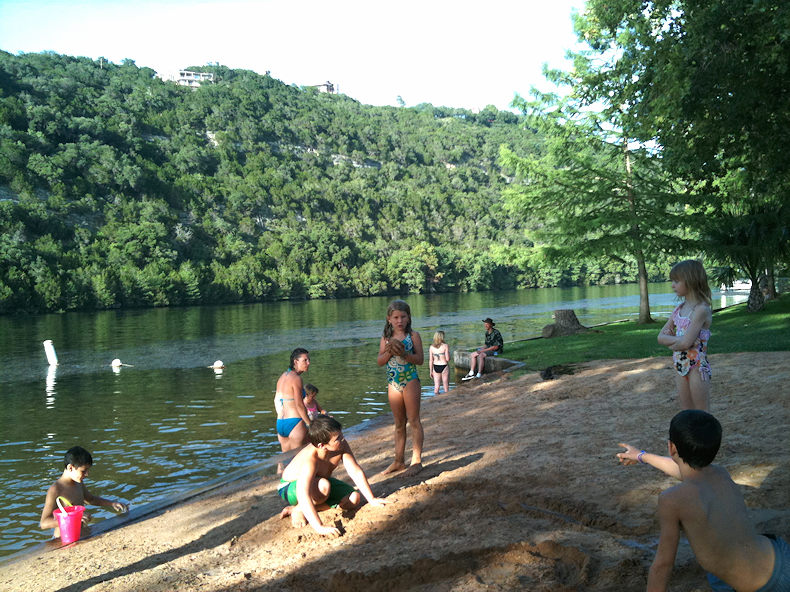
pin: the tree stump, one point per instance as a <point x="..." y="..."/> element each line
<point x="565" y="323"/>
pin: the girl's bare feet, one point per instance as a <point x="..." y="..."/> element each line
<point x="412" y="470"/>
<point x="394" y="467"/>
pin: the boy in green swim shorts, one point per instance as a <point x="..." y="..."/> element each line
<point x="307" y="485"/>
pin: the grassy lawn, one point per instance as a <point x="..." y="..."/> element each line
<point x="733" y="329"/>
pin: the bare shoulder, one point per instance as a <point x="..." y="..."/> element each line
<point x="55" y="489"/>
<point x="720" y="479"/>
<point x="678" y="496"/>
<point x="307" y="454"/>
<point x="347" y="449"/>
<point x="304" y="458"/>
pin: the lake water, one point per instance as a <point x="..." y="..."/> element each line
<point x="169" y="423"/>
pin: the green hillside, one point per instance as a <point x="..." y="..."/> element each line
<point x="118" y="189"/>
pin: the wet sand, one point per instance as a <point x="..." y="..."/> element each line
<point x="521" y="491"/>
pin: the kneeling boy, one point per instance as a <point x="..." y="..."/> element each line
<point x="307" y="484"/>
<point x="710" y="508"/>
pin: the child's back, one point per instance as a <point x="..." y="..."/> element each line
<point x="710" y="508"/>
<point x="714" y="516"/>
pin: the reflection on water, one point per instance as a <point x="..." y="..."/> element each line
<point x="168" y="420"/>
<point x="50" y="386"/>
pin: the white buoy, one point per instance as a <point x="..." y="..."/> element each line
<point x="116" y="363"/>
<point x="218" y="365"/>
<point x="52" y="357"/>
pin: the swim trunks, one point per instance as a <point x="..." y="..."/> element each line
<point x="399" y="371"/>
<point x="337" y="491"/>
<point x="286" y="426"/>
<point x="697" y="354"/>
<point x="780" y="578"/>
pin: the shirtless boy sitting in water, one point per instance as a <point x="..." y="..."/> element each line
<point x="307" y="484"/>
<point x="710" y="508"/>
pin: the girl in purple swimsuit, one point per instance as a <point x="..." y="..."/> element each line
<point x="687" y="333"/>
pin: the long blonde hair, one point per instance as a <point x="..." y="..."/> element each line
<point x="438" y="339"/>
<point x="692" y="273"/>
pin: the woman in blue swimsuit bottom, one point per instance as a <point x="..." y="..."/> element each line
<point x="292" y="418"/>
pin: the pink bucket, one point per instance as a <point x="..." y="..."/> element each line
<point x="69" y="523"/>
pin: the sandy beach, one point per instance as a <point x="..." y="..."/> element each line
<point x="521" y="491"/>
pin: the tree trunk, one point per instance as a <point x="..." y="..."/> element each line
<point x="644" y="297"/>
<point x="772" y="294"/>
<point x="566" y="324"/>
<point x="756" y="300"/>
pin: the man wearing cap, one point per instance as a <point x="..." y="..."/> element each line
<point x="493" y="347"/>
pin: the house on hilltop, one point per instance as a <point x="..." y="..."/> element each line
<point x="188" y="78"/>
<point x="328" y="87"/>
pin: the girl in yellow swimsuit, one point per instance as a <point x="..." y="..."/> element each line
<point x="401" y="351"/>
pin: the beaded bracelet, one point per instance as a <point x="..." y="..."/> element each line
<point x="639" y="457"/>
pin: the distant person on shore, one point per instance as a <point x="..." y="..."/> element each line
<point x="307" y="484"/>
<point x="71" y="487"/>
<point x="292" y="418"/>
<point x="401" y="350"/>
<point x="494" y="345"/>
<point x="439" y="360"/>
<point x="687" y="333"/>
<point x="311" y="403"/>
<point x="710" y="509"/>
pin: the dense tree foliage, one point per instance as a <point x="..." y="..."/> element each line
<point x="120" y="189"/>
<point x="706" y="83"/>
<point x="591" y="194"/>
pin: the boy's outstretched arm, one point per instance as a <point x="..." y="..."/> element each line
<point x="358" y="477"/>
<point x="100" y="501"/>
<point x="663" y="463"/>
<point x="661" y="569"/>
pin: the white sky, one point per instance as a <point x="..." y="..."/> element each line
<point x="447" y="53"/>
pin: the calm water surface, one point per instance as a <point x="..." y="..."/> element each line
<point x="169" y="423"/>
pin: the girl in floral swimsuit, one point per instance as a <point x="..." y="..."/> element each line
<point x="401" y="351"/>
<point x="687" y="333"/>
